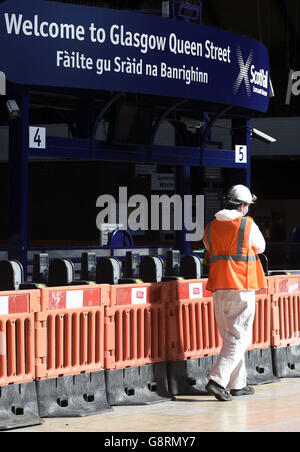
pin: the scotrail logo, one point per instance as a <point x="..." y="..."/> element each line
<point x="256" y="81"/>
<point x="244" y="72"/>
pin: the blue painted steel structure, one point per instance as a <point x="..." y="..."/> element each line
<point x="88" y="148"/>
<point x="18" y="180"/>
<point x="182" y="157"/>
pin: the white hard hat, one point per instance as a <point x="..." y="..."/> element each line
<point x="240" y="194"/>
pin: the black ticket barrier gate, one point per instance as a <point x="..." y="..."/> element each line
<point x="154" y="269"/>
<point x="62" y="273"/>
<point x="109" y="271"/>
<point x="12" y="276"/>
<point x="191" y="267"/>
<point x="151" y="269"/>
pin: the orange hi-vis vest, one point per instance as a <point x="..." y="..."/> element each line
<point x="232" y="263"/>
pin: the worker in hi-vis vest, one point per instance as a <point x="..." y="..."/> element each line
<point x="233" y="241"/>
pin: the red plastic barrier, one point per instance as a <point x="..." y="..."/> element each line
<point x="70" y="330"/>
<point x="261" y="336"/>
<point x="139" y="336"/>
<point x="144" y="293"/>
<point x="286" y="284"/>
<point x="190" y="321"/>
<point x="286" y="319"/>
<point x="271" y="286"/>
<point x="135" y="324"/>
<point x="286" y="311"/>
<point x="191" y="329"/>
<point x="17" y="340"/>
<point x="196" y="288"/>
<point x="189" y="289"/>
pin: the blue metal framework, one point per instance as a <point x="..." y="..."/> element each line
<point x="78" y="148"/>
<point x="88" y="148"/>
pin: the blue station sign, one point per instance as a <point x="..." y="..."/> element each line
<point x="65" y="45"/>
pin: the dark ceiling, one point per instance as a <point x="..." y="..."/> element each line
<point x="272" y="22"/>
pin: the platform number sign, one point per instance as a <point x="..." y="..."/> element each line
<point x="37" y="137"/>
<point x="240" y="154"/>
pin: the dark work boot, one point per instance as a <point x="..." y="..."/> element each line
<point x="247" y="390"/>
<point x="218" y="391"/>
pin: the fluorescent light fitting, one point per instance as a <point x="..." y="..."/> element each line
<point x="259" y="135"/>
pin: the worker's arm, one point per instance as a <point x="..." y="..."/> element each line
<point x="256" y="239"/>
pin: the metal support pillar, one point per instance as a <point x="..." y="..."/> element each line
<point x="183" y="187"/>
<point x="241" y="135"/>
<point x="18" y="180"/>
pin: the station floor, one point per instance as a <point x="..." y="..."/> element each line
<point x="274" y="407"/>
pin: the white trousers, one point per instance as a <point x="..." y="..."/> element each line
<point x="234" y="311"/>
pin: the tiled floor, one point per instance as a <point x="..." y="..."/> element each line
<point x="273" y="408"/>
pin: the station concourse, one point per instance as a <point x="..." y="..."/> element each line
<point x="274" y="408"/>
<point x="121" y="128"/>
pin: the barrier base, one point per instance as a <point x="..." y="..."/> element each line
<point x="259" y="364"/>
<point x="286" y="361"/>
<point x="73" y="396"/>
<point x="190" y="376"/>
<point x="18" y="406"/>
<point x="141" y="385"/>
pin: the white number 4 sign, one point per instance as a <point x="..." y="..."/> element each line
<point x="240" y="154"/>
<point x="37" y="137"/>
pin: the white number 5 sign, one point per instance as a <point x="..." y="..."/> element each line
<point x="240" y="154"/>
